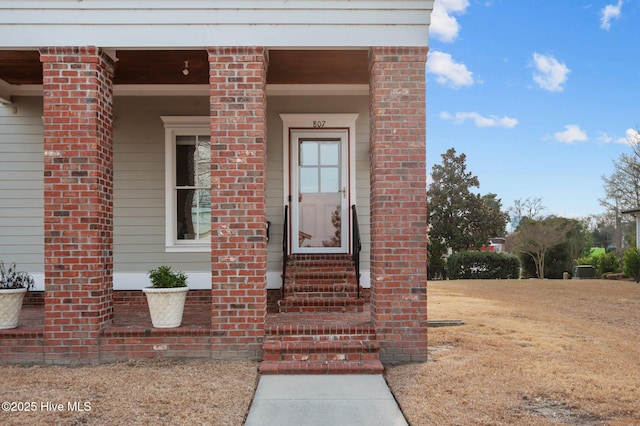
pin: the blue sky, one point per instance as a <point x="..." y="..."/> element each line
<point x="542" y="96"/>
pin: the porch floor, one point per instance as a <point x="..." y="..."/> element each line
<point x="136" y="316"/>
<point x="324" y="319"/>
<point x="124" y="317"/>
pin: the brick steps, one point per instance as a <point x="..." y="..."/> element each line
<point x="321" y="350"/>
<point x="322" y="289"/>
<point x="321" y="304"/>
<point x="320" y="283"/>
<point x="320" y="346"/>
<point x="318" y="330"/>
<point x="319" y="367"/>
<point x="335" y="277"/>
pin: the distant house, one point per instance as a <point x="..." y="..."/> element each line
<point x="134" y="134"/>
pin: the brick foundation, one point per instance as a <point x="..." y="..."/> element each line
<point x="137" y="297"/>
<point x="78" y="200"/>
<point x="398" y="202"/>
<point x="237" y="82"/>
<point x="129" y="336"/>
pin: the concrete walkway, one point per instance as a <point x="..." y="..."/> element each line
<point x="309" y="400"/>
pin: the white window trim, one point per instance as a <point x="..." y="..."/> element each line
<point x="176" y="126"/>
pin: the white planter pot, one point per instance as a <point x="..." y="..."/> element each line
<point x="10" y="305"/>
<point x="166" y="305"/>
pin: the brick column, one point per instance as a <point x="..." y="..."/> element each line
<point x="398" y="202"/>
<point x="238" y="213"/>
<point x="78" y="200"/>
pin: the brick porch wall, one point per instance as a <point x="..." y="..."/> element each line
<point x="238" y="218"/>
<point x="398" y="202"/>
<point x="78" y="200"/>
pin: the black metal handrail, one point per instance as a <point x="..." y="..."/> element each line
<point x="356" y="244"/>
<point x="285" y="246"/>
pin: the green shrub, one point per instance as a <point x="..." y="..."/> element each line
<point x="631" y="262"/>
<point x="482" y="265"/>
<point x="164" y="277"/>
<point x="607" y="263"/>
<point x="602" y="263"/>
<point x="587" y="260"/>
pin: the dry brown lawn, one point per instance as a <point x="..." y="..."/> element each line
<point x="531" y="352"/>
<point x="131" y="393"/>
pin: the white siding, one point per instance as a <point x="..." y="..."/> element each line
<point x="201" y="23"/>
<point x="21" y="184"/>
<point x="139" y="184"/>
<point x="139" y="191"/>
<point x="139" y="176"/>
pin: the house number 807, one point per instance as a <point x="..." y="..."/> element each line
<point x="318" y="124"/>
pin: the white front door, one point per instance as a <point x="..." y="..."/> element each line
<point x="319" y="185"/>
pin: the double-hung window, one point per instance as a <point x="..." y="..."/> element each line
<point x="188" y="183"/>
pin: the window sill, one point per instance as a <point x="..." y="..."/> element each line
<point x="188" y="248"/>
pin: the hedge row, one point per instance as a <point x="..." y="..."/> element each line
<point x="482" y="265"/>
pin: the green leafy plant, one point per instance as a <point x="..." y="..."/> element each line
<point x="631" y="262"/>
<point x="482" y="265"/>
<point x="602" y="263"/>
<point x="164" y="277"/>
<point x="608" y="262"/>
<point x="12" y="279"/>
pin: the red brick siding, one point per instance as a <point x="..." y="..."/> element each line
<point x="156" y="343"/>
<point x="78" y="199"/>
<point x="238" y="177"/>
<point x="22" y="345"/>
<point x="137" y="297"/>
<point x="398" y="202"/>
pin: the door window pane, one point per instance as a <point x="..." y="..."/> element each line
<point x="308" y="179"/>
<point x="329" y="153"/>
<point x="329" y="179"/>
<point x="308" y="153"/>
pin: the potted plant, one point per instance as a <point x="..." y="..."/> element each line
<point x="13" y="286"/>
<point x="166" y="296"/>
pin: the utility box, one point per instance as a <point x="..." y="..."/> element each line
<point x="583" y="271"/>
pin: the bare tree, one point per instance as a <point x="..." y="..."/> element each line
<point x="528" y="208"/>
<point x="536" y="237"/>
<point x="622" y="187"/>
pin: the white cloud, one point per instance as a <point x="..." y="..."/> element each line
<point x="571" y="134"/>
<point x="609" y="12"/>
<point x="631" y="136"/>
<point x="604" y="138"/>
<point x="447" y="71"/>
<point x="551" y="74"/>
<point x="443" y="26"/>
<point x="479" y="120"/>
